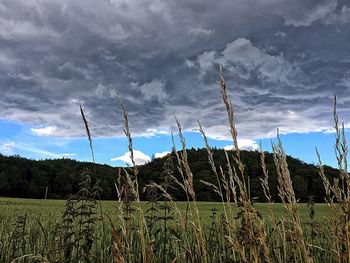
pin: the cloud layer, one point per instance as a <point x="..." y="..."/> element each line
<point x="283" y="63"/>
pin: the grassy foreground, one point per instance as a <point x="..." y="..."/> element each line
<point x="36" y="236"/>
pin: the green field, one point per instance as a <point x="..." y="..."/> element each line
<point x="49" y="211"/>
<point x="43" y="215"/>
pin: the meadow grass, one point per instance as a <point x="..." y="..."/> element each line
<point x="43" y="215"/>
<point x="50" y="211"/>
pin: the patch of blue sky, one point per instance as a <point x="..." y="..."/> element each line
<point x="303" y="146"/>
<point x="19" y="139"/>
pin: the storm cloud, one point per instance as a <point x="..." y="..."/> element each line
<point x="283" y="62"/>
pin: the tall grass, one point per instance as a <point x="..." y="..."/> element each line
<point x="162" y="231"/>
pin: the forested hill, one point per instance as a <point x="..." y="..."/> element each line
<point x="20" y="177"/>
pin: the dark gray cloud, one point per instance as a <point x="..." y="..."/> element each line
<point x="283" y="60"/>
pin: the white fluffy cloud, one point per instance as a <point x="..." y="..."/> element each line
<point x="139" y="157"/>
<point x="242" y="57"/>
<point x="161" y="154"/>
<point x="46" y="131"/>
<point x="244" y="144"/>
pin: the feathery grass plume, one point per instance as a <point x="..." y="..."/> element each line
<point x="202" y="253"/>
<point x="233" y="131"/>
<point x="181" y="249"/>
<point x="127" y="133"/>
<point x="184" y="221"/>
<point x="265" y="177"/>
<point x="333" y="192"/>
<point x="188" y="182"/>
<point x="326" y="184"/>
<point x="132" y="183"/>
<point x="230" y="113"/>
<point x="341" y="211"/>
<point x="251" y="238"/>
<point x="127" y="181"/>
<point x="182" y="184"/>
<point x="341" y="152"/>
<point x="217" y="188"/>
<point x="294" y="236"/>
<point x="228" y="183"/>
<point x="341" y="149"/>
<point x="120" y="246"/>
<point x="120" y="235"/>
<point x="285" y="188"/>
<point x="88" y="133"/>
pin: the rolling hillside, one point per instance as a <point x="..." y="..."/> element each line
<point x="20" y="177"/>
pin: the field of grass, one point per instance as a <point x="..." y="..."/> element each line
<point x="41" y="217"/>
<point x="50" y="211"/>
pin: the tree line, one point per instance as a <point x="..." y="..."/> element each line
<point x="21" y="177"/>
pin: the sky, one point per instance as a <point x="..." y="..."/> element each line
<point x="283" y="62"/>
